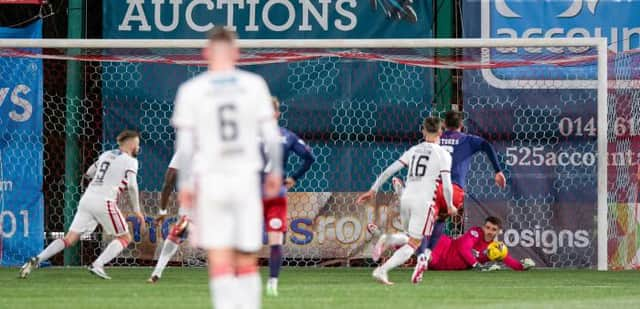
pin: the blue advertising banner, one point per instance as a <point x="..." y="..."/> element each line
<point x="338" y="106"/>
<point x="546" y="136"/>
<point x="21" y="153"/>
<point x="273" y="19"/>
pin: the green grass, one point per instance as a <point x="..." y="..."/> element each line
<point x="327" y="288"/>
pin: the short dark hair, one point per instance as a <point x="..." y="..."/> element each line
<point x="432" y="124"/>
<point x="453" y="119"/>
<point x="494" y="220"/>
<point x="126" y="135"/>
<point x="221" y="34"/>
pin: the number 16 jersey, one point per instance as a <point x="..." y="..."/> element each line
<point x="223" y="110"/>
<point x="425" y="162"/>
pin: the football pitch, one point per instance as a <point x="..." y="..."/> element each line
<point x="327" y="288"/>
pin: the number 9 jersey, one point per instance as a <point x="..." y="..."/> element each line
<point x="113" y="171"/>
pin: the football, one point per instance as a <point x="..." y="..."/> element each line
<point x="497" y="251"/>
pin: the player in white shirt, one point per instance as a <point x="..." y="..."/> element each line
<point x="428" y="163"/>
<point x="180" y="229"/>
<point x="220" y="117"/>
<point x="114" y="172"/>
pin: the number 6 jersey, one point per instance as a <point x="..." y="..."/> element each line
<point x="223" y="111"/>
<point x="111" y="174"/>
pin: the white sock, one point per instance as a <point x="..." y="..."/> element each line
<point x="250" y="289"/>
<point x="397" y="239"/>
<point x="398" y="258"/>
<point x="52" y="249"/>
<point x="224" y="291"/>
<point x="110" y="252"/>
<point x="168" y="250"/>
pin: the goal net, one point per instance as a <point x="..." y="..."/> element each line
<point x="359" y="105"/>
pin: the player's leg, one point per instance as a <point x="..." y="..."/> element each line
<point x="113" y="223"/>
<point x="82" y="222"/>
<point x="439" y="253"/>
<point x="402" y="254"/>
<point x="421" y="225"/>
<point x="275" y="215"/>
<point x="214" y="231"/>
<point x="248" y="240"/>
<point x="179" y="231"/>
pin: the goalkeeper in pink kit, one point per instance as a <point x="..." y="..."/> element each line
<point x="469" y="250"/>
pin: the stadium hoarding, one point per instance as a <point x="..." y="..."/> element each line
<point x="547" y="136"/>
<point x="21" y="152"/>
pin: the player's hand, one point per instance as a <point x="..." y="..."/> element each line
<point x="185" y="198"/>
<point x="501" y="181"/>
<point x="528" y="263"/>
<point x="159" y="219"/>
<point x="272" y="185"/>
<point x="141" y="219"/>
<point x="452" y="211"/>
<point x="289" y="183"/>
<point x="365" y="197"/>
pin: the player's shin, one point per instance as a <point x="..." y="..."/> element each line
<point x="398" y="258"/>
<point x="111" y="251"/>
<point x="275" y="263"/>
<point x="169" y="248"/>
<point x="52" y="249"/>
<point x="248" y="280"/>
<point x="223" y="286"/>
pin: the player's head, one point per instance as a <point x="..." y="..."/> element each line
<point x="221" y="51"/>
<point x="491" y="228"/>
<point x="276" y="107"/>
<point x="432" y="128"/>
<point x="129" y="141"/>
<point x="453" y="120"/>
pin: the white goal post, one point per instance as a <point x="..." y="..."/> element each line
<point x="600" y="85"/>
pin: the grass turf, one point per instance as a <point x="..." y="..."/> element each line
<point x="326" y="288"/>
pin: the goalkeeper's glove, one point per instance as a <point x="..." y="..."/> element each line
<point x="486" y="267"/>
<point x="527" y="263"/>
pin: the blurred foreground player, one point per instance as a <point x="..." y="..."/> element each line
<point x="427" y="162"/>
<point x="113" y="173"/>
<point x="275" y="209"/>
<point x="469" y="250"/>
<point x="220" y="117"/>
<point x="180" y="230"/>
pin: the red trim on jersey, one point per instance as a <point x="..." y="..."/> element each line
<point x="428" y="222"/>
<point x="67" y="244"/>
<point x="113" y="222"/>
<point x="403" y="163"/>
<point x="122" y="222"/>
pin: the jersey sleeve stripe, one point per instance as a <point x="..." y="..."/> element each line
<point x="445" y="171"/>
<point x="403" y="163"/>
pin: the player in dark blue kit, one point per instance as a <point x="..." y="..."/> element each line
<point x="275" y="209"/>
<point x="462" y="147"/>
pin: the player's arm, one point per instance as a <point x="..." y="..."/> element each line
<point x="484" y="146"/>
<point x="447" y="186"/>
<point x="524" y="264"/>
<point x="270" y="135"/>
<point x="467" y="242"/>
<point x="382" y="178"/>
<point x="132" y="189"/>
<point x="91" y="171"/>
<point x="303" y="151"/>
<point x="168" y="185"/>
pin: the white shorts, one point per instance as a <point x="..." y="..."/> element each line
<point x="418" y="216"/>
<point x="93" y="210"/>
<point x="229" y="212"/>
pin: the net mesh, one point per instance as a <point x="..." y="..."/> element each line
<point x="359" y="110"/>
